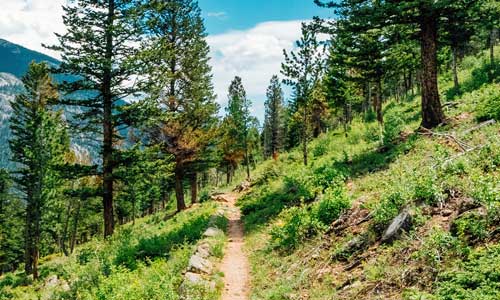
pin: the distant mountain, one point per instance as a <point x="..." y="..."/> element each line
<point x="14" y="61"/>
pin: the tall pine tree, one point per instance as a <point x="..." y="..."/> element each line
<point x="303" y="71"/>
<point x="39" y="141"/>
<point x="180" y="90"/>
<point x="427" y="16"/>
<point x="273" y="121"/>
<point x="239" y="119"/>
<point x="98" y="49"/>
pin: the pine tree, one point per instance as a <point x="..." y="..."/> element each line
<point x="11" y="223"/>
<point x="273" y="124"/>
<point x="303" y="71"/>
<point x="239" y="119"/>
<point x="39" y="141"/>
<point x="98" y="50"/>
<point x="179" y="84"/>
<point x="365" y="15"/>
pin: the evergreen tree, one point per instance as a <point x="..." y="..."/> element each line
<point x="38" y="143"/>
<point x="11" y="224"/>
<point x="98" y="50"/>
<point x="362" y="16"/>
<point x="303" y="71"/>
<point x="273" y="123"/>
<point x="183" y="108"/>
<point x="239" y="119"/>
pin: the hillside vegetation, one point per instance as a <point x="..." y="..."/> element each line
<point x="315" y="232"/>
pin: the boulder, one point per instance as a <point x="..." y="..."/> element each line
<point x="212" y="231"/>
<point x="198" y="264"/>
<point x="203" y="250"/>
<point x="399" y="224"/>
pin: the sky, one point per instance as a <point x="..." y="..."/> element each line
<point x="246" y="37"/>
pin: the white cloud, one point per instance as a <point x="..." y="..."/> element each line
<point x="218" y="14"/>
<point x="254" y="55"/>
<point x="31" y="22"/>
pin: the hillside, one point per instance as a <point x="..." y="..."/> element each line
<point x="414" y="218"/>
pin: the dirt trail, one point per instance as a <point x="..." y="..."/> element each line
<point x="235" y="262"/>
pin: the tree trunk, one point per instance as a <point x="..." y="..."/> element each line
<point x="304" y="135"/>
<point x="377" y="101"/>
<point x="65" y="230"/>
<point x="456" y="84"/>
<point x="432" y="113"/>
<point x="247" y="161"/>
<point x="228" y="174"/>
<point x="76" y="219"/>
<point x="107" y="148"/>
<point x="493" y="39"/>
<point x="179" y="188"/>
<point x="194" y="187"/>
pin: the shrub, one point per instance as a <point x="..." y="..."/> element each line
<point x="321" y="148"/>
<point x="393" y="125"/>
<point x="472" y="227"/>
<point x="297" y="224"/>
<point x="334" y="202"/>
<point x="488" y="100"/>
<point x="387" y="209"/>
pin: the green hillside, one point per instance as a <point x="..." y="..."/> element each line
<point x="315" y="232"/>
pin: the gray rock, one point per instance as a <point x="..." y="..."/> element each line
<point x="52" y="281"/>
<point x="400" y="223"/>
<point x="212" y="231"/>
<point x="203" y="250"/>
<point x="198" y="264"/>
<point x="193" y="278"/>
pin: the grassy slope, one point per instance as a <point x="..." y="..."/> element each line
<point x="418" y="172"/>
<point x="141" y="261"/>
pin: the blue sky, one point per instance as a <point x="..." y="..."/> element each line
<point x="246" y="37"/>
<point x="224" y="15"/>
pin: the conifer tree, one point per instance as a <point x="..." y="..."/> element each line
<point x="39" y="141"/>
<point x="98" y="50"/>
<point x="239" y="119"/>
<point x="182" y="118"/>
<point x="11" y="224"/>
<point x="303" y="70"/>
<point x="273" y="122"/>
<point x="362" y="16"/>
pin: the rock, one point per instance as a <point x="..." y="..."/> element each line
<point x="244" y="186"/>
<point x="203" y="250"/>
<point x="467" y="204"/>
<point x="193" y="278"/>
<point x="212" y="231"/>
<point x="52" y="281"/>
<point x="400" y="223"/>
<point x="354" y="245"/>
<point x="446" y="212"/>
<point x="198" y="264"/>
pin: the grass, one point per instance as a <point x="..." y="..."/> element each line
<point x="141" y="261"/>
<point x="441" y="257"/>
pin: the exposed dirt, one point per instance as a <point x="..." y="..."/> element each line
<point x="235" y="264"/>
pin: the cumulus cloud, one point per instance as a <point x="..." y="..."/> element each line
<point x="31" y="22"/>
<point x="254" y="55"/>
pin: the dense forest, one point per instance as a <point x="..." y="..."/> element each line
<point x="385" y="97"/>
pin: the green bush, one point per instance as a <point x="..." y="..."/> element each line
<point x="476" y="278"/>
<point x="393" y="126"/>
<point x="333" y="203"/>
<point x="387" y="209"/>
<point x="471" y="228"/>
<point x="298" y="224"/>
<point x="488" y="99"/>
<point x="321" y="148"/>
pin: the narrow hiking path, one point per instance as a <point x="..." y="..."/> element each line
<point x="235" y="264"/>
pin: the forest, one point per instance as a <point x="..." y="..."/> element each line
<point x="376" y="178"/>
